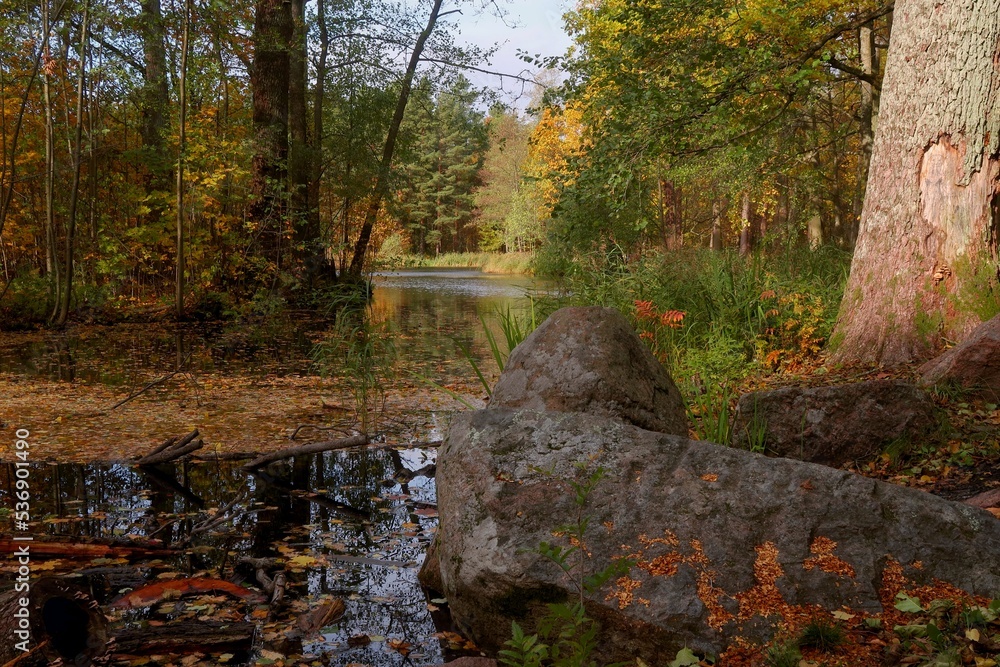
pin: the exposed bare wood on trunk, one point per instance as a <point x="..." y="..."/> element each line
<point x="930" y="212"/>
<point x="381" y="188"/>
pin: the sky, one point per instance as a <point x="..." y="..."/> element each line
<point x="534" y="26"/>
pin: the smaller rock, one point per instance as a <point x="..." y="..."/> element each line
<point x="973" y="364"/>
<point x="470" y="661"/>
<point x="833" y="425"/>
<point x="985" y="500"/>
<point x="591" y="360"/>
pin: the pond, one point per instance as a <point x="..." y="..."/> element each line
<point x="354" y="523"/>
<point x="429" y="310"/>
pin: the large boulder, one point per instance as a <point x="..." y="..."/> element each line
<point x="833" y="425"/>
<point x="725" y="543"/>
<point x="591" y="360"/>
<point x="973" y="364"/>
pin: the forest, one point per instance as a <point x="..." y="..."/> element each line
<point x="268" y="266"/>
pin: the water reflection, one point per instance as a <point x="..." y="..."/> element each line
<point x="428" y="309"/>
<point x="364" y="516"/>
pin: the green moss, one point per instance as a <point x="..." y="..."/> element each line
<point x="978" y="288"/>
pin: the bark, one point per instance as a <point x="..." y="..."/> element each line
<point x="718" y="209"/>
<point x="381" y="188"/>
<point x="66" y="294"/>
<point x="181" y="147"/>
<point x="299" y="151"/>
<point x="868" y="113"/>
<point x="187" y="637"/>
<point x="64" y="622"/>
<point x="88" y="550"/>
<point x="315" y="178"/>
<point x="929" y="217"/>
<point x="269" y="82"/>
<point x="748" y="236"/>
<point x="155" y="103"/>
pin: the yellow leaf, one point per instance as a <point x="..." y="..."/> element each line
<point x="302" y="561"/>
<point x="972" y="634"/>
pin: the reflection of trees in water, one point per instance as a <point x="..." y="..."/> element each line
<point x="118" y="499"/>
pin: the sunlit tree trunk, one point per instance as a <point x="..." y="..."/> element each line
<point x="931" y="211"/>
<point x="51" y="263"/>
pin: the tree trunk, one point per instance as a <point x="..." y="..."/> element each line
<point x="269" y="78"/>
<point x="747" y="235"/>
<point x="382" y="180"/>
<point x="717" y="211"/>
<point x="155" y="102"/>
<point x="299" y="151"/>
<point x="67" y="284"/>
<point x="930" y="215"/>
<point x="868" y="112"/>
<point x="63" y="621"/>
<point x="181" y="147"/>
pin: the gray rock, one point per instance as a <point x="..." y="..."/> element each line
<point x="723" y="538"/>
<point x="973" y="364"/>
<point x="833" y="425"/>
<point x="591" y="360"/>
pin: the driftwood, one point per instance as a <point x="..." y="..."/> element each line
<point x="78" y="550"/>
<point x="184" y="638"/>
<point x="312" y="448"/>
<point x="172" y="449"/>
<point x="150" y="385"/>
<point x="320" y="617"/>
<point x="65" y="623"/>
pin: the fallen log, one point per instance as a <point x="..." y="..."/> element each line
<point x="85" y="550"/>
<point x="312" y="448"/>
<point x="170" y="451"/>
<point x="185" y="637"/>
<point x="150" y="595"/>
<point x="62" y="621"/>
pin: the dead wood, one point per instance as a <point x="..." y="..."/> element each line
<point x="224" y="456"/>
<point x="320" y="617"/>
<point x="314" y="497"/>
<point x="85" y="550"/>
<point x="61" y="616"/>
<point x="150" y="385"/>
<point x="170" y="451"/>
<point x="312" y="448"/>
<point x="185" y="637"/>
<point x="149" y="595"/>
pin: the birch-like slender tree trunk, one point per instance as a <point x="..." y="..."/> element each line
<point x="181" y="147"/>
<point x="930" y="217"/>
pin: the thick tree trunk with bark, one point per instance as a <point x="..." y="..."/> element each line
<point x="931" y="210"/>
<point x="269" y="79"/>
<point x="299" y="151"/>
<point x="155" y="104"/>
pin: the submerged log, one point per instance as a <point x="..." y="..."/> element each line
<point x="312" y="448"/>
<point x="59" y="620"/>
<point x="87" y="550"/>
<point x="184" y="638"/>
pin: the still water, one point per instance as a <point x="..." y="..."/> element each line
<point x="361" y="519"/>
<point x="429" y="312"/>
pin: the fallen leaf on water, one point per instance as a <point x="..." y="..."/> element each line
<point x="400" y="646"/>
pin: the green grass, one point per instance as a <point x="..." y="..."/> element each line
<point x="488" y="262"/>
